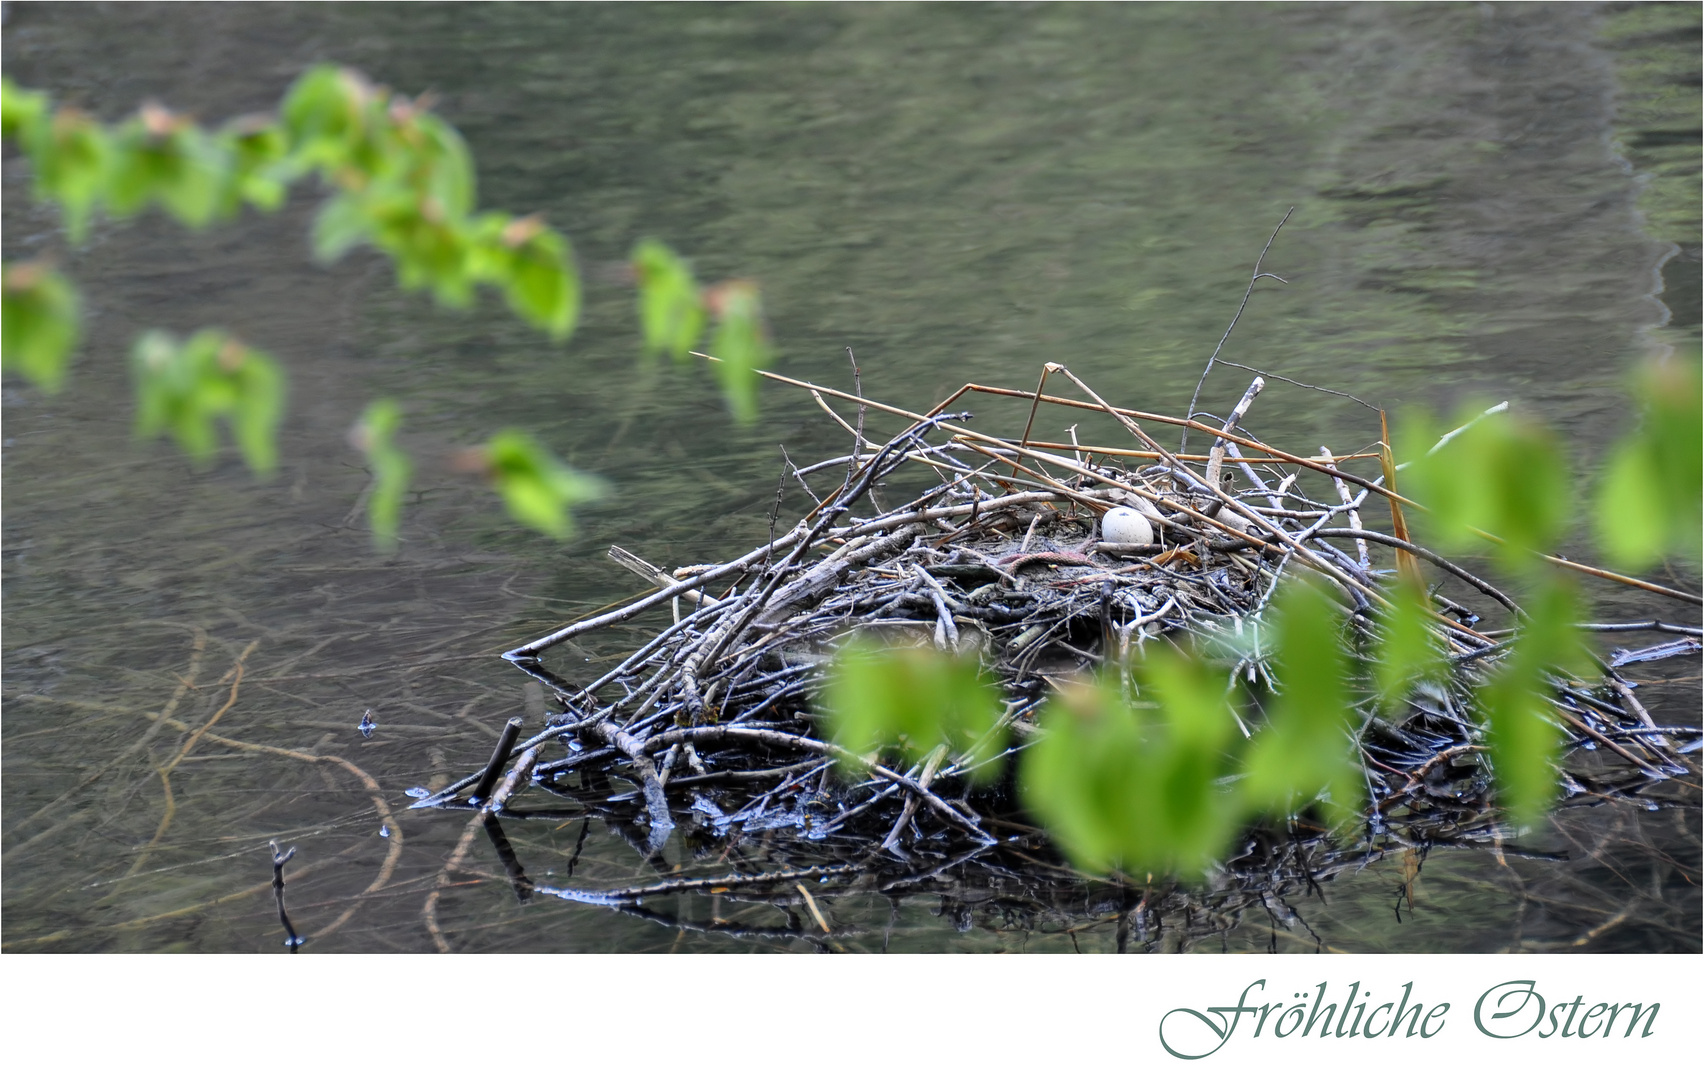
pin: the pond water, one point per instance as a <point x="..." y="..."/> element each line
<point x="957" y="193"/>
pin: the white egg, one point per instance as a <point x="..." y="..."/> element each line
<point x="1123" y="525"/>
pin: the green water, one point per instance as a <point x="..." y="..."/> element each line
<point x="958" y="194"/>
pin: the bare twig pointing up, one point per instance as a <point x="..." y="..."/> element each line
<point x="1193" y="398"/>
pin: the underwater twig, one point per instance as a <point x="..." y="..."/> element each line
<point x="291" y="938"/>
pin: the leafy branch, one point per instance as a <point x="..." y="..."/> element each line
<point x="402" y="181"/>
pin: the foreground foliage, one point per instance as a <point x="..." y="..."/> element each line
<point x="401" y="181"/>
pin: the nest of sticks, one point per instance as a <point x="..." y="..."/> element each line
<point x="711" y="729"/>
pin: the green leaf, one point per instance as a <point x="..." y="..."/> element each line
<point x="436" y="162"/>
<point x="374" y="436"/>
<point x="1141" y="788"/>
<point x="158" y="157"/>
<point x="40" y="320"/>
<point x="1651" y="497"/>
<point x="1632" y="519"/>
<point x="260" y="172"/>
<point x="671" y="311"/>
<point x="22" y="113"/>
<point x="1503" y="474"/>
<point x="258" y="409"/>
<point x="1520" y="723"/>
<point x="183" y="389"/>
<point x="430" y="252"/>
<point x="741" y="343"/>
<point x="1407" y="651"/>
<point x="542" y="285"/>
<point x="537" y="488"/>
<point x="340" y="225"/>
<point x="325" y="116"/>
<point x="917" y="698"/>
<point x="1307" y="747"/>
<point x="168" y="395"/>
<point x="72" y="155"/>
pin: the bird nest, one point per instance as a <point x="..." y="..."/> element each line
<point x="1046" y="561"/>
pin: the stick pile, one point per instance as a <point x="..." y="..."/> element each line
<point x="1046" y="561"/>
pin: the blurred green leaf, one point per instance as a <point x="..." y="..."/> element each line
<point x="40" y="320"/>
<point x="1307" y="746"/>
<point x="260" y="172"/>
<point x="325" y="116"/>
<point x="184" y="388"/>
<point x="541" y="283"/>
<point x="1407" y="651"/>
<point x="671" y="311"/>
<point x="741" y="342"/>
<point x="1141" y="788"/>
<point x="915" y="698"/>
<point x="430" y="157"/>
<point x="259" y="404"/>
<point x="22" y="113"/>
<point x="1649" y="500"/>
<point x="537" y="488"/>
<point x="1503" y="474"/>
<point x="340" y="225"/>
<point x="430" y="252"/>
<point x="1520" y="723"/>
<point x="159" y="157"/>
<point x="374" y="436"/>
<point x="1632" y="520"/>
<point x="71" y="155"/>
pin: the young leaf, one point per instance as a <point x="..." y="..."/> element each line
<point x="541" y="283"/>
<point x="40" y="321"/>
<point x="1407" y="651"/>
<point x="374" y="436"/>
<point x="1307" y="747"/>
<point x="1141" y="788"/>
<point x="159" y="157"/>
<point x="1520" y="723"/>
<point x="1649" y="500"/>
<point x="325" y="116"/>
<point x="22" y="113"/>
<point x="340" y="225"/>
<point x="72" y="155"/>
<point x="671" y="312"/>
<point x="919" y="698"/>
<point x="183" y="389"/>
<point x="259" y="404"/>
<point x="741" y="343"/>
<point x="436" y="161"/>
<point x="1500" y="473"/>
<point x="169" y="395"/>
<point x="537" y="488"/>
<point x="260" y="172"/>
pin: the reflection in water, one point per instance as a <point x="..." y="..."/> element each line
<point x="956" y="193"/>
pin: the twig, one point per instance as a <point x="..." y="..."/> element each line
<point x="499" y="757"/>
<point x="1216" y="456"/>
<point x="858" y="435"/>
<point x="1193" y="398"/>
<point x="1295" y="382"/>
<point x="1354" y="516"/>
<point x="1430" y="556"/>
<point x="291" y="939"/>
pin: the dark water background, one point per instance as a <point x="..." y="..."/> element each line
<point x="959" y="193"/>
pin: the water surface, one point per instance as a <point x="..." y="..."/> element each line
<point x="958" y="193"/>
